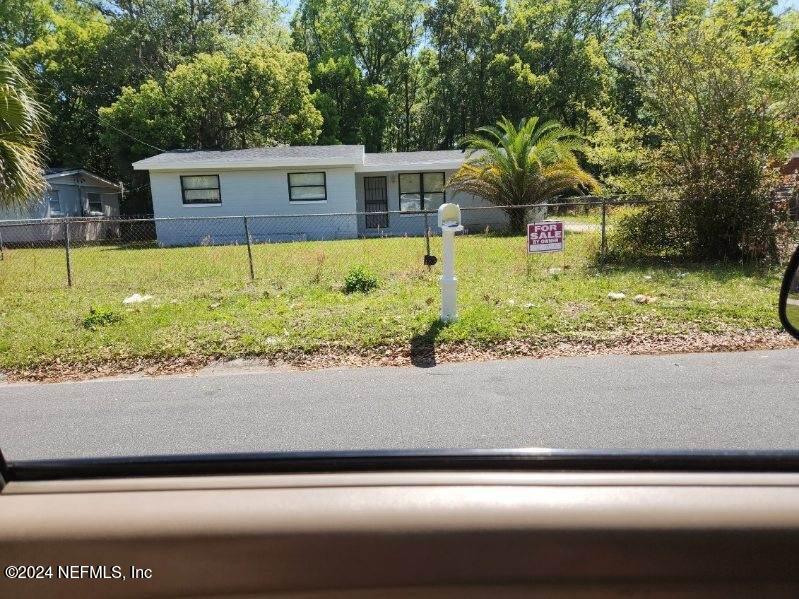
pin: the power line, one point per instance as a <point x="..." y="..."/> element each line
<point x="126" y="134"/>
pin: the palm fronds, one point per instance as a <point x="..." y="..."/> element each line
<point x="516" y="166"/>
<point x="21" y="138"/>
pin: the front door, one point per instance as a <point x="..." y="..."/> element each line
<point x="376" y="200"/>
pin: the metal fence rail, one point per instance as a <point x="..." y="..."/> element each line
<point x="586" y="215"/>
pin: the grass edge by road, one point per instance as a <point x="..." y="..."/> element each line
<point x="421" y="352"/>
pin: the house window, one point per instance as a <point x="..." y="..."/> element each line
<point x="54" y="203"/>
<point x="307" y="187"/>
<point x="95" y="204"/>
<point x="200" y="189"/>
<point x="421" y="191"/>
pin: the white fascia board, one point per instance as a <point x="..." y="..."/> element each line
<point x="226" y="166"/>
<point x="103" y="182"/>
<point x="410" y="167"/>
<point x="61" y="174"/>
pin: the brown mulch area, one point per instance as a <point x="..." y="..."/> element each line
<point x="420" y="352"/>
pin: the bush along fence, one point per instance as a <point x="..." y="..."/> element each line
<point x="167" y="239"/>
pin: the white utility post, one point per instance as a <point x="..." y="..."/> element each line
<point x="449" y="220"/>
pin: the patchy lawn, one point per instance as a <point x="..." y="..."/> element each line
<point x="204" y="306"/>
<point x="593" y="217"/>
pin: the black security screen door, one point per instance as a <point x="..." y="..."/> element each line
<point x="376" y="200"/>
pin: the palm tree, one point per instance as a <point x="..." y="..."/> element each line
<point x="21" y="138"/>
<point x="531" y="164"/>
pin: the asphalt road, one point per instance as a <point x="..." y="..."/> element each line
<point x="733" y="400"/>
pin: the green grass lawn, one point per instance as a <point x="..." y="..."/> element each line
<point x="592" y="218"/>
<point x="591" y="215"/>
<point x="205" y="305"/>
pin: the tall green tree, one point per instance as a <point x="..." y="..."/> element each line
<point x="372" y="32"/>
<point x="723" y="107"/>
<point x="158" y="35"/>
<point x="378" y="39"/>
<point x="549" y="60"/>
<point x="23" y="21"/>
<point x="250" y="96"/>
<point x="73" y="67"/>
<point x="457" y="89"/>
<point x="87" y="51"/>
<point x="21" y="138"/>
<point x="788" y="35"/>
<point x="513" y="166"/>
<point x="353" y="111"/>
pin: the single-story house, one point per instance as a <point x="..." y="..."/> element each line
<point x="789" y="185"/>
<point x="70" y="193"/>
<point x="316" y="189"/>
<point x="791" y="167"/>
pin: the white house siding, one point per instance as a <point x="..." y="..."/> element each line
<point x="252" y="193"/>
<point x="410" y="224"/>
<point x="73" y="204"/>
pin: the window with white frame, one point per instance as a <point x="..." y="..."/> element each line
<point x="307" y="187"/>
<point x="200" y="189"/>
<point x="421" y="191"/>
<point x="54" y="203"/>
<point x="95" y="203"/>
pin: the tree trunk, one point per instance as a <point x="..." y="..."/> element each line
<point x="518" y="220"/>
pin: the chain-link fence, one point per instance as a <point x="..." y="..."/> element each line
<point x="130" y="253"/>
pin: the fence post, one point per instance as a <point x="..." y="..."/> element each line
<point x="426" y="235"/>
<point x="603" y="245"/>
<point x="249" y="248"/>
<point x="2" y="250"/>
<point x="66" y="245"/>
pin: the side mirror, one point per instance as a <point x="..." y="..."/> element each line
<point x="789" y="296"/>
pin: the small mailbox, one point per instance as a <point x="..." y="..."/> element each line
<point x="449" y="220"/>
<point x="449" y="216"/>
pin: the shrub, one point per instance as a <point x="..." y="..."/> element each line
<point x="720" y="99"/>
<point x="704" y="224"/>
<point x="643" y="232"/>
<point x="359" y="280"/>
<point x="99" y="317"/>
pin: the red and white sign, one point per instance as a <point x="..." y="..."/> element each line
<point x="545" y="237"/>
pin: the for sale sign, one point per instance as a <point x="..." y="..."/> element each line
<point x="545" y="237"/>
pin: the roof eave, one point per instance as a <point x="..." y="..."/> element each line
<point x="142" y="165"/>
<point x="449" y="165"/>
<point x="83" y="172"/>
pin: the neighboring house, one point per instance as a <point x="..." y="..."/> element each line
<point x="70" y="193"/>
<point x="792" y="166"/>
<point x="789" y="185"/>
<point x="303" y="180"/>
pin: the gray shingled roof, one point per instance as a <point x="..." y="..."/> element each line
<point x="299" y="155"/>
<point x="56" y="173"/>
<point x="60" y="169"/>
<point x="400" y="158"/>
<point x="196" y="158"/>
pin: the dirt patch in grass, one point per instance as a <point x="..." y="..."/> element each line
<point x="420" y="353"/>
